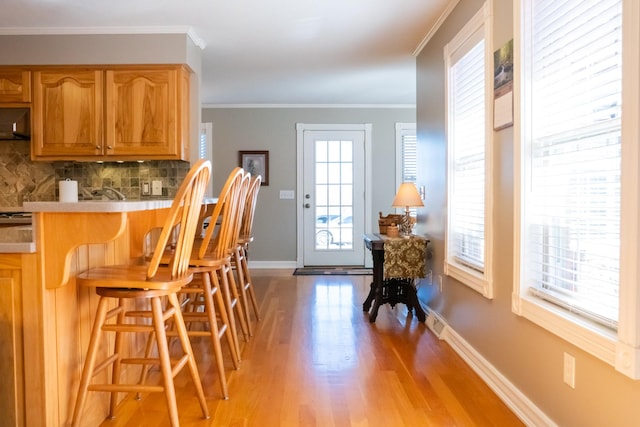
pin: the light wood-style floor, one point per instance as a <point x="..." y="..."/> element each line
<point x="316" y="361"/>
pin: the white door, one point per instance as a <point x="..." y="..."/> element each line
<point x="333" y="193"/>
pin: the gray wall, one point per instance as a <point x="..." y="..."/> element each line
<point x="528" y="356"/>
<point x="274" y="129"/>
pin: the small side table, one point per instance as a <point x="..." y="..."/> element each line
<point x="397" y="284"/>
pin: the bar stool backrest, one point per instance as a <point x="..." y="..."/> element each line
<point x="183" y="219"/>
<point x="223" y="221"/>
<point x="250" y="208"/>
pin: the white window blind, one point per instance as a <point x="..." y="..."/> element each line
<point x="572" y="144"/>
<point x="205" y="149"/>
<point x="406" y="157"/>
<point x="469" y="77"/>
<point x="408" y="143"/>
<point x="204" y="146"/>
<point x="467" y="156"/>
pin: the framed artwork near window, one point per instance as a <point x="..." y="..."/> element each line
<point x="256" y="163"/>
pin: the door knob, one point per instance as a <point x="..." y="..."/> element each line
<point x="307" y="205"/>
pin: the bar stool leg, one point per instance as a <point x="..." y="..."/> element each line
<point x="186" y="345"/>
<point x="249" y="282"/>
<point x="165" y="361"/>
<point x="238" y="306"/>
<point x="215" y="334"/>
<point x="240" y="286"/>
<point x="117" y="366"/>
<point x="90" y="363"/>
<point x="223" y="300"/>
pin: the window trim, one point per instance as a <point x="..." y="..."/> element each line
<point x="621" y="349"/>
<point x="482" y="282"/>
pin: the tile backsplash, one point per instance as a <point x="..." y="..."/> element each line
<point x="24" y="180"/>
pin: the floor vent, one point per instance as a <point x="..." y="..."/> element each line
<point x="436" y="324"/>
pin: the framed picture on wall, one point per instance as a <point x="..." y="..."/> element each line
<point x="256" y="163"/>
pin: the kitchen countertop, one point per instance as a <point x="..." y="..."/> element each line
<point x="103" y="205"/>
<point x="19" y="239"/>
<point x="97" y="206"/>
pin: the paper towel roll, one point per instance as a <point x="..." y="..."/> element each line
<point x="68" y="191"/>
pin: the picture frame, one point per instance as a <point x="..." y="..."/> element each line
<point x="256" y="163"/>
<point x="503" y="86"/>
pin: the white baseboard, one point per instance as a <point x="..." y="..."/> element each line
<point x="524" y="408"/>
<point x="272" y="264"/>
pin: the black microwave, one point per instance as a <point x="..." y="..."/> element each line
<point x="15" y="123"/>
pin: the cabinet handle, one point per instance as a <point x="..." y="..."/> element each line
<point x="98" y="147"/>
<point x="109" y="147"/>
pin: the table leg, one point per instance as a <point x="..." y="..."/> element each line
<point x="412" y="301"/>
<point x="376" y="285"/>
<point x="372" y="295"/>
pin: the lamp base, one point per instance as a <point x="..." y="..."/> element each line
<point x="406" y="225"/>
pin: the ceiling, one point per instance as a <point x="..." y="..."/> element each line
<point x="311" y="52"/>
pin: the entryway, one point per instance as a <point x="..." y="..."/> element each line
<point x="332" y="194"/>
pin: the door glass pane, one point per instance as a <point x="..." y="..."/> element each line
<point x="334" y="195"/>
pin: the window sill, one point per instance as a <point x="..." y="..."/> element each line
<point x="596" y="340"/>
<point x="471" y="278"/>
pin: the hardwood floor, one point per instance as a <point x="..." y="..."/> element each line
<point x="315" y="360"/>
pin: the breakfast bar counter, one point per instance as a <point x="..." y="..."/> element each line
<point x="70" y="238"/>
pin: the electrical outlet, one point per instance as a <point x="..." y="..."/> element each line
<point x="569" y="371"/>
<point x="156" y="188"/>
<point x="146" y="189"/>
<point x="440" y="282"/>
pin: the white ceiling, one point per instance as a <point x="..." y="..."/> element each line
<point x="266" y="51"/>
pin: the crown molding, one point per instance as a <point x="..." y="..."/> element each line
<point x="17" y="31"/>
<point x="308" y="106"/>
<point x="445" y="14"/>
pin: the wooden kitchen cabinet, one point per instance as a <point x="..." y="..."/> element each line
<point x="111" y="113"/>
<point x="145" y="115"/>
<point x="67" y="114"/>
<point x="14" y="294"/>
<point x="15" y="85"/>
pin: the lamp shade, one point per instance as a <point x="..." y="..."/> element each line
<point x="407" y="196"/>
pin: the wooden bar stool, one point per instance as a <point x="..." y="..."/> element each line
<point x="206" y="299"/>
<point x="158" y="286"/>
<point x="241" y="261"/>
<point x="216" y="248"/>
<point x="209" y="299"/>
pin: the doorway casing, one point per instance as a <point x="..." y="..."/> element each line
<point x="300" y="129"/>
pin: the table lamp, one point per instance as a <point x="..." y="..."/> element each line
<point x="407" y="197"/>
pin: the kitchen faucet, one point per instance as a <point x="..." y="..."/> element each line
<point x="110" y="193"/>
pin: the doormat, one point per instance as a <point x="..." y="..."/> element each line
<point x="332" y="271"/>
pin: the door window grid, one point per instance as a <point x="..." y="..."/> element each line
<point x="334" y="195"/>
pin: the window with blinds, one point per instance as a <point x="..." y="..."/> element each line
<point x="466" y="154"/>
<point x="570" y="214"/>
<point x="468" y="173"/>
<point x="406" y="157"/>
<point x="406" y="153"/>
<point x="205" y="149"/>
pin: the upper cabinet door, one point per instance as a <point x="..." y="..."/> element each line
<point x="67" y="113"/>
<point x="15" y="85"/>
<point x="144" y="116"/>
